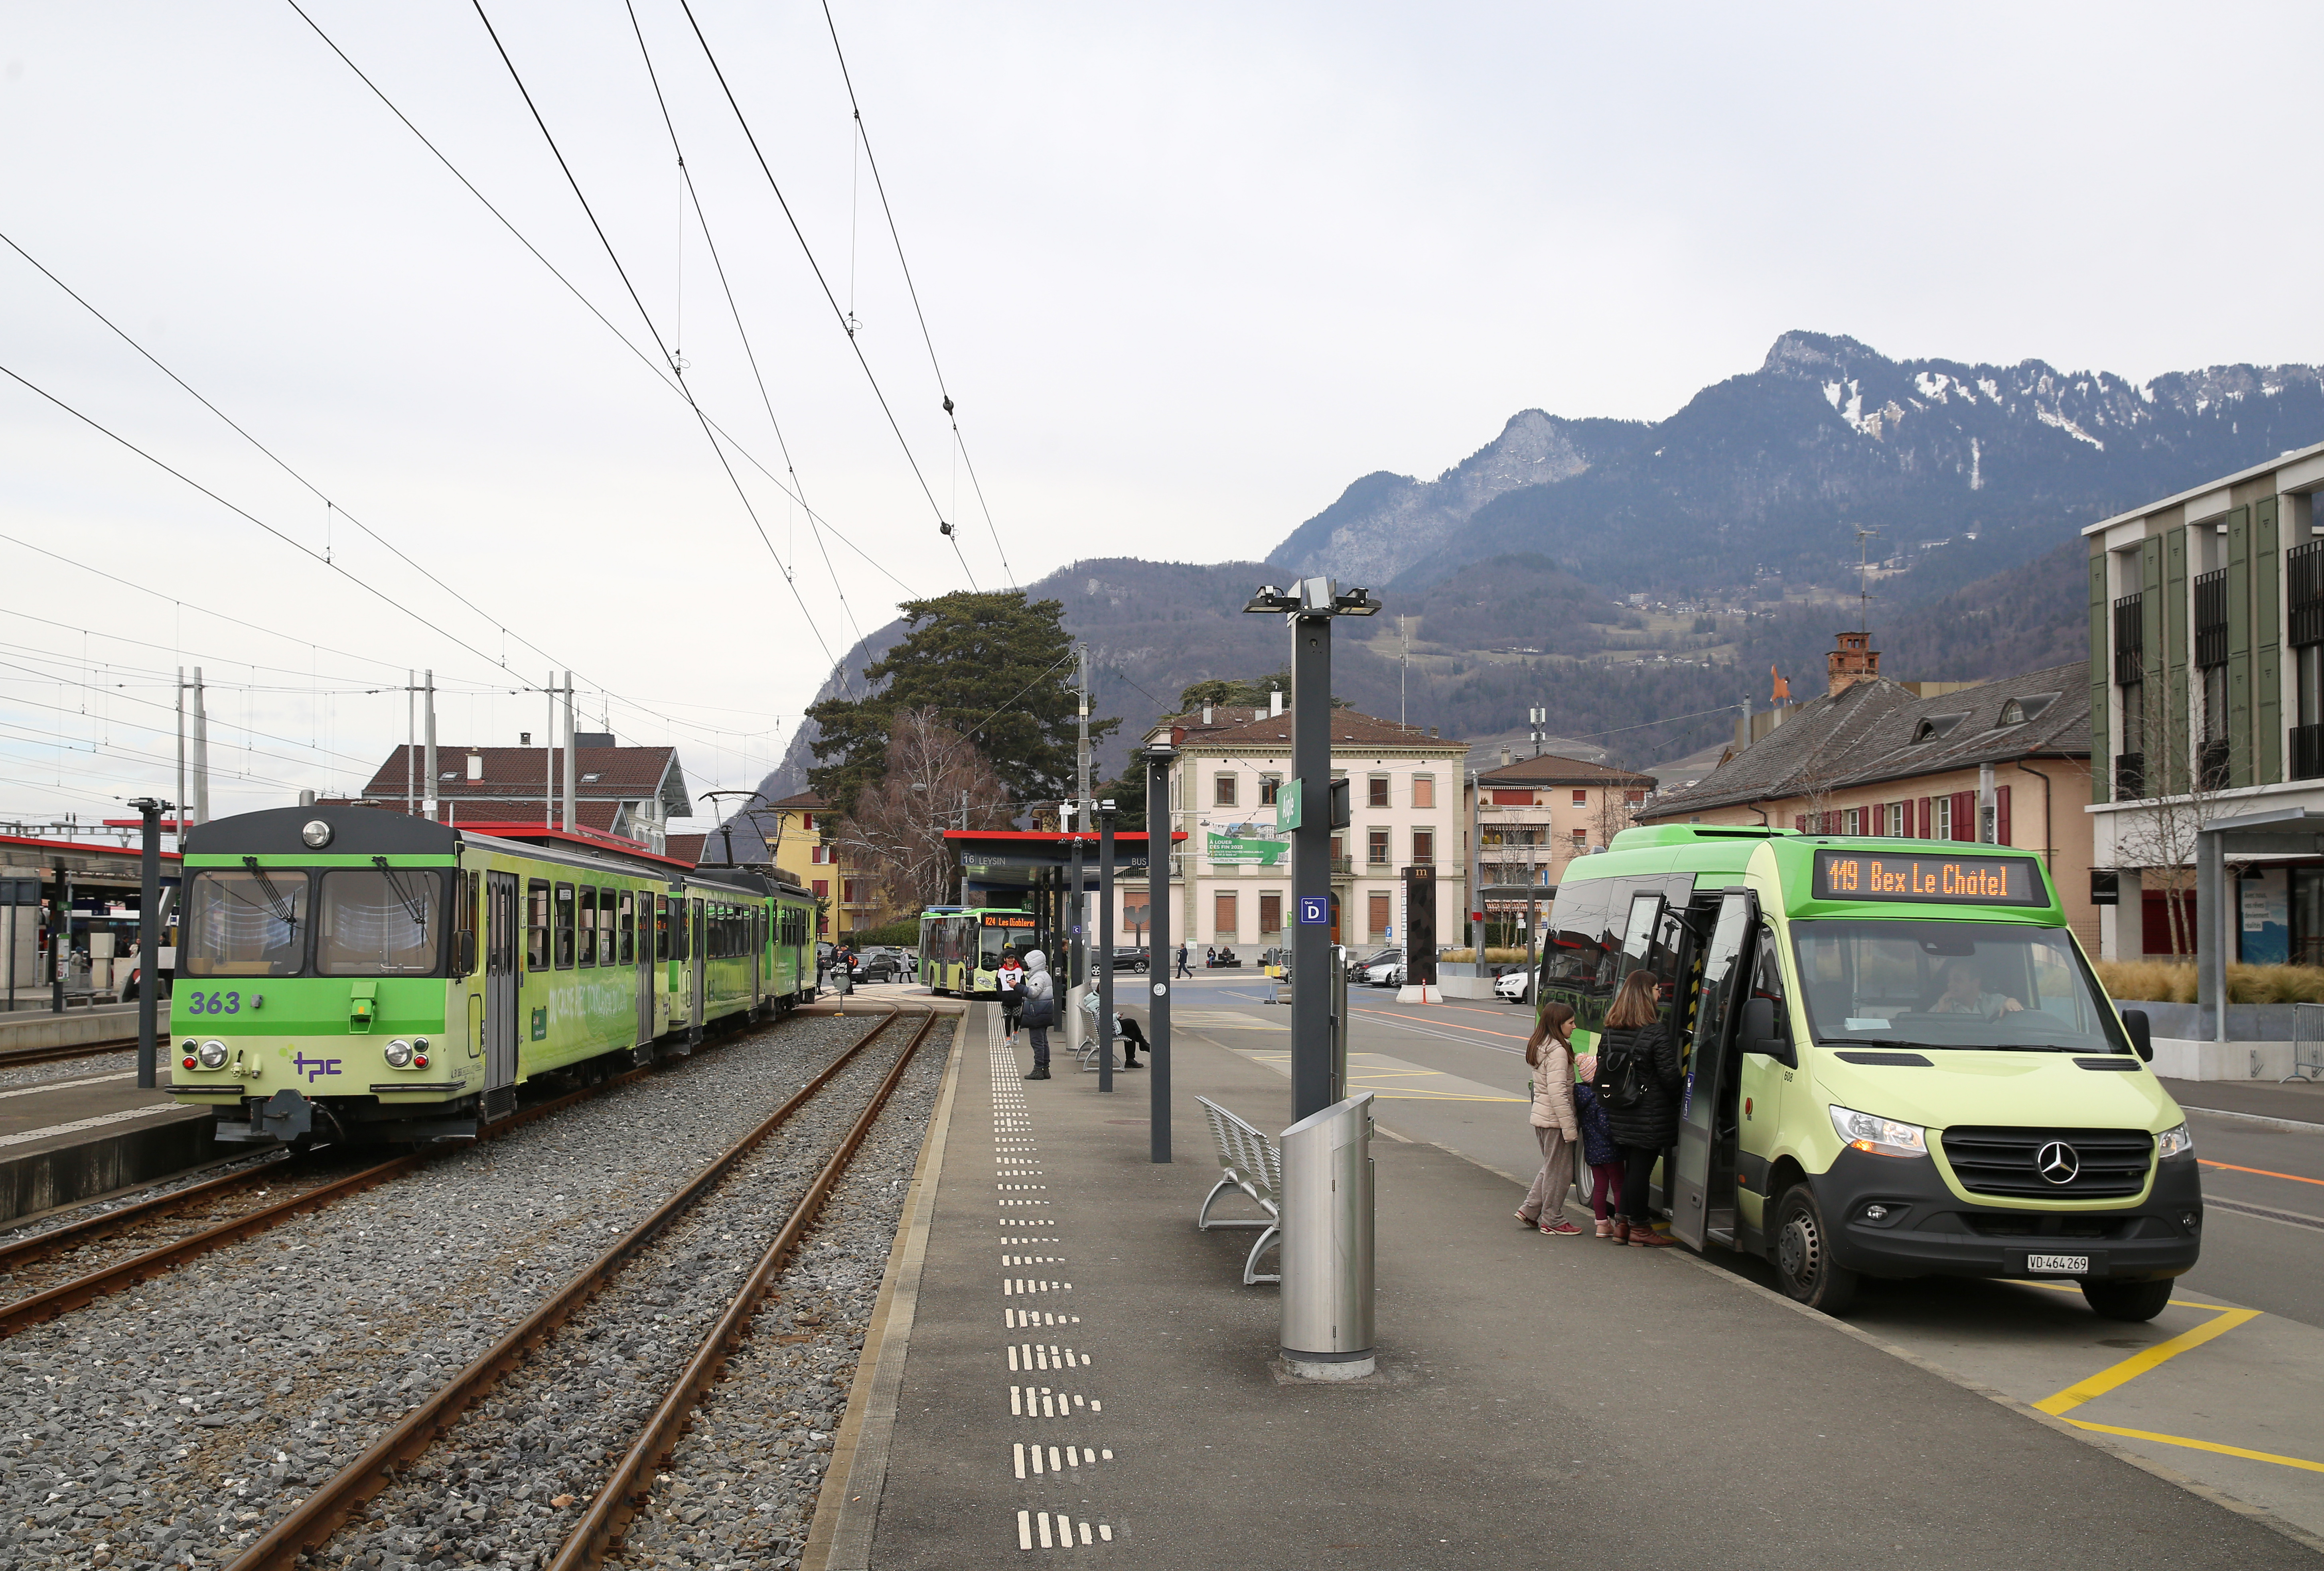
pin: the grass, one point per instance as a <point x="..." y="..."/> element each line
<point x="2174" y="982"/>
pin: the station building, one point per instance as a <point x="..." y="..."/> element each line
<point x="2207" y="699"/>
<point x="1233" y="872"/>
<point x="1533" y="815"/>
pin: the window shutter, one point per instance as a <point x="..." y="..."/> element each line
<point x="2001" y="816"/>
<point x="1965" y="815"/>
<point x="1924" y="831"/>
<point x="1800" y="822"/>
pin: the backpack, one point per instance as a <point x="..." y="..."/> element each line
<point x="1624" y="1070"/>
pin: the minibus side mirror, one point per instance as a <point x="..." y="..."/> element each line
<point x="2141" y="1035"/>
<point x="1760" y="1034"/>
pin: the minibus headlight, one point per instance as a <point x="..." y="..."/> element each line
<point x="398" y="1054"/>
<point x="212" y="1054"/>
<point x="2174" y="1143"/>
<point x="1880" y="1136"/>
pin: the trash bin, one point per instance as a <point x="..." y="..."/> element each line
<point x="1327" y="1243"/>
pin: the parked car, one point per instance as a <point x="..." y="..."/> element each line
<point x="1514" y="987"/>
<point x="1387" y="973"/>
<point x="1360" y="966"/>
<point x="1127" y="959"/>
<point x="882" y="964"/>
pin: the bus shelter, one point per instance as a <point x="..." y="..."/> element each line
<point x="1033" y="871"/>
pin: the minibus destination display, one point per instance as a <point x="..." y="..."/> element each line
<point x="1927" y="880"/>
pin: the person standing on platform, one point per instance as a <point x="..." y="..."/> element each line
<point x="1183" y="970"/>
<point x="1598" y="1147"/>
<point x="1040" y="1011"/>
<point x="1549" y="1053"/>
<point x="1012" y="982"/>
<point x="1638" y="1079"/>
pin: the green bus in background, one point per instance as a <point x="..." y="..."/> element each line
<point x="1898" y="1062"/>
<point x="960" y="951"/>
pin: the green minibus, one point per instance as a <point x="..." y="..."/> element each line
<point x="1898" y="1062"/>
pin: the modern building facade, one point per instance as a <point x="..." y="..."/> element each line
<point x="1233" y="873"/>
<point x="2207" y="699"/>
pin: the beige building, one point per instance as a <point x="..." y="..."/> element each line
<point x="1533" y="815"/>
<point x="1233" y="873"/>
<point x="2007" y="763"/>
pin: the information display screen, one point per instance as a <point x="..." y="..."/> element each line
<point x="1925" y="880"/>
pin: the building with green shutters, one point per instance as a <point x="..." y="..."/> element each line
<point x="2207" y="699"/>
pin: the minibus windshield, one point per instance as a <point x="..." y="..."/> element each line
<point x="1952" y="985"/>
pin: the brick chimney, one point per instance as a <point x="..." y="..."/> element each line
<point x="1854" y="661"/>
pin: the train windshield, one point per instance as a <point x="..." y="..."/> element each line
<point x="378" y="922"/>
<point x="244" y="924"/>
<point x="1984" y="985"/>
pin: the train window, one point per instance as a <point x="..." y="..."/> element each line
<point x="536" y="925"/>
<point x="241" y="924"/>
<point x="607" y="927"/>
<point x="629" y="928"/>
<point x="564" y="927"/>
<point x="661" y="927"/>
<point x="585" y="900"/>
<point x="378" y="922"/>
<point x="466" y="890"/>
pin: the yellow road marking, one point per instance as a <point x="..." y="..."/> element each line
<point x="2200" y="1446"/>
<point x="2068" y="1287"/>
<point x="2138" y="1363"/>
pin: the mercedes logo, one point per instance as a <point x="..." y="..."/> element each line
<point x="2058" y="1163"/>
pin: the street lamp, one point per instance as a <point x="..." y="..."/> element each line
<point x="1317" y="809"/>
<point x="1159" y="759"/>
<point x="1105" y="812"/>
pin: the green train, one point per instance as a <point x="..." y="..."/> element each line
<point x="357" y="975"/>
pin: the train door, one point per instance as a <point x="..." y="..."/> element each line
<point x="641" y="925"/>
<point x="499" y="993"/>
<point x="1702" y="1191"/>
<point x="755" y="924"/>
<point x="694" y="946"/>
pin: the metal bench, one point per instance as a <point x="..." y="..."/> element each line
<point x="1252" y="1164"/>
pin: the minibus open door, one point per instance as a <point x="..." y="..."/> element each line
<point x="1702" y="1187"/>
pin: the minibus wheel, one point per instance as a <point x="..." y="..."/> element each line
<point x="2127" y="1300"/>
<point x="1803" y="1254"/>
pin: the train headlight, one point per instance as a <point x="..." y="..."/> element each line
<point x="212" y="1055"/>
<point x="398" y="1054"/>
<point x="316" y="832"/>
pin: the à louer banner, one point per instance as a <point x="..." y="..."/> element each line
<point x="1247" y="842"/>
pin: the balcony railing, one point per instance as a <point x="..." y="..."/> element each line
<point x="2129" y="637"/>
<point x="2306" y="751"/>
<point x="2304" y="585"/>
<point x="2211" y="619"/>
<point x="2129" y="776"/>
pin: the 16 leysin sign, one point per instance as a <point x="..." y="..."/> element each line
<point x="1924" y="879"/>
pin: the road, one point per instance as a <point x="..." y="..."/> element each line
<point x="2226" y="1386"/>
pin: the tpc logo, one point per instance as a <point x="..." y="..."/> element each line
<point x="314" y="1068"/>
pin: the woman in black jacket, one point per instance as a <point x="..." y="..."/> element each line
<point x="1648" y="1125"/>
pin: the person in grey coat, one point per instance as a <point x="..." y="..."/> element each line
<point x="1040" y="1010"/>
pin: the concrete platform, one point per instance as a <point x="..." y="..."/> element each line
<point x="39" y="1028"/>
<point x="1541" y="1401"/>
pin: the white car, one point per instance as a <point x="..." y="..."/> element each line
<point x="1387" y="974"/>
<point x="1513" y="986"/>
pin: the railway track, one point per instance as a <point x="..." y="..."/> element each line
<point x="230" y="1221"/>
<point x="339" y="1503"/>
<point x="20" y="1057"/>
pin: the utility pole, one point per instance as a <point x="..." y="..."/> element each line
<point x="181" y="760"/>
<point x="201" y="739"/>
<point x="548" y="762"/>
<point x="427" y="795"/>
<point x="410" y="741"/>
<point x="1540" y="717"/>
<point x="570" y="774"/>
<point x="1105" y="811"/>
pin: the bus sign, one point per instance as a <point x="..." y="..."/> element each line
<point x="1921" y="879"/>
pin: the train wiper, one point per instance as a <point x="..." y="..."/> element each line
<point x="277" y="905"/>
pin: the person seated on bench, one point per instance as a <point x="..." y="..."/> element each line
<point x="1133" y="1040"/>
<point x="1965" y="994"/>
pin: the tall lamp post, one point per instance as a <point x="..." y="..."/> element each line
<point x="1105" y="812"/>
<point x="1319" y="805"/>
<point x="149" y="940"/>
<point x="1159" y="759"/>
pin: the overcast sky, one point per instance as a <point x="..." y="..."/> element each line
<point x="1189" y="270"/>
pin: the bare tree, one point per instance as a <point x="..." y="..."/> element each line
<point x="2179" y="772"/>
<point x="1615" y="806"/>
<point x="934" y="780"/>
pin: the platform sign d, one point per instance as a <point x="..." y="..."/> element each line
<point x="1315" y="909"/>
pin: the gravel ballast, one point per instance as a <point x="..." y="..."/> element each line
<point x="172" y="1424"/>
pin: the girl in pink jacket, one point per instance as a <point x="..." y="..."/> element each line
<point x="1549" y="1052"/>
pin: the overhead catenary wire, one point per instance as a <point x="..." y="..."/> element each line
<point x="656" y="368"/>
<point x="749" y="355"/>
<point x="789" y="579"/>
<point x="864" y="139"/>
<point x="838" y="312"/>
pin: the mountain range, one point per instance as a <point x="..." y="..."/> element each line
<point x="1521" y="561"/>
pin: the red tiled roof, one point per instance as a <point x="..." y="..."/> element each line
<point x="517" y="773"/>
<point x="1549" y="769"/>
<point x="805" y="799"/>
<point x="1247" y="727"/>
<point x="685" y="848"/>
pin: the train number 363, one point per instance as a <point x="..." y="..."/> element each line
<point x="214" y="1004"/>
